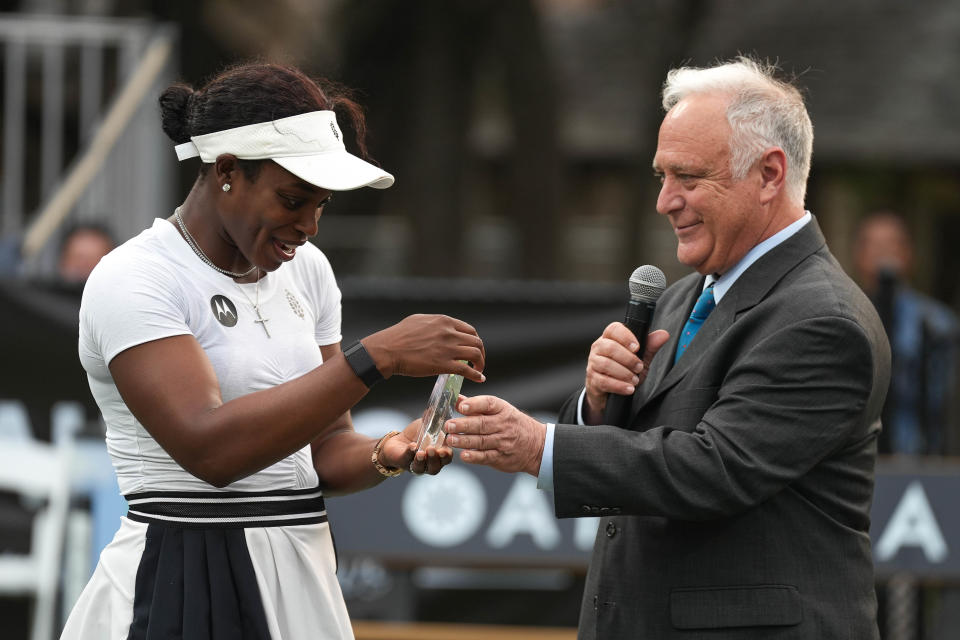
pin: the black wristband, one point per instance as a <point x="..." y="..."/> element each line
<point x="362" y="364"/>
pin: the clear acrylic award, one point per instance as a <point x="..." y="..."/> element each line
<point x="439" y="410"/>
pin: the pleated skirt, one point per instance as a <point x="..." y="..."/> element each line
<point x="216" y="566"/>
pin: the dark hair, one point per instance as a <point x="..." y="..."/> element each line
<point x="250" y="93"/>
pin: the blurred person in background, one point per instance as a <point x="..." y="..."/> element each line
<point x="81" y="249"/>
<point x="919" y="415"/>
<point x="735" y="503"/>
<point x="212" y="346"/>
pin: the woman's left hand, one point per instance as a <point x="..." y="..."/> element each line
<point x="398" y="452"/>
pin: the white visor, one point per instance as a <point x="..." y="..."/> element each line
<point x="309" y="145"/>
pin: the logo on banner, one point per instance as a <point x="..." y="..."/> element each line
<point x="446" y="509"/>
<point x="223" y="310"/>
<point x="450" y="509"/>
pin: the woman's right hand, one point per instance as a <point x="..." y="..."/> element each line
<point x="425" y="345"/>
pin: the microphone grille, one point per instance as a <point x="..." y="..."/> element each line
<point x="647" y="283"/>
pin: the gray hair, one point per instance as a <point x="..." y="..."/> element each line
<point x="763" y="112"/>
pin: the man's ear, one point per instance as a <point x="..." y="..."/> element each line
<point x="773" y="173"/>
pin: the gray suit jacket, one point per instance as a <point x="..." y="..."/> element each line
<point x="737" y="503"/>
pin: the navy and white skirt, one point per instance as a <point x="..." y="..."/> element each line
<point x="217" y="565"/>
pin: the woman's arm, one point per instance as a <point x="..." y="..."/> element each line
<point x="342" y="457"/>
<point x="170" y="387"/>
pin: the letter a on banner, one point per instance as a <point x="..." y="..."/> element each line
<point x="525" y="510"/>
<point x="913" y="524"/>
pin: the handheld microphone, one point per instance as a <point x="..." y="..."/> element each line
<point x="646" y="285"/>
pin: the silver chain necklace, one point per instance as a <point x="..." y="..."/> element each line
<point x="256" y="306"/>
<point x="200" y="254"/>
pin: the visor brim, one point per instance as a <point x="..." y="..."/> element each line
<point x="336" y="171"/>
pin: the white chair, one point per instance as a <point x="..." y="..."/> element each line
<point x="39" y="473"/>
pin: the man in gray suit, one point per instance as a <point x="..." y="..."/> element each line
<point x="736" y="503"/>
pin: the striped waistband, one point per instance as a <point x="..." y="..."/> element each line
<point x="228" y="509"/>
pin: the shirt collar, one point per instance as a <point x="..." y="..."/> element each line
<point x="726" y="280"/>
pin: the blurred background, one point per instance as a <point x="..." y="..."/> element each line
<point x="521" y="134"/>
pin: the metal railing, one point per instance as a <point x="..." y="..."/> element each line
<point x="81" y="133"/>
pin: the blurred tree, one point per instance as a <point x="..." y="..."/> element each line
<point x="418" y="65"/>
<point x="421" y="70"/>
<point x="298" y="32"/>
<point x="675" y="27"/>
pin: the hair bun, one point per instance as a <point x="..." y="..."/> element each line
<point x="175" y="107"/>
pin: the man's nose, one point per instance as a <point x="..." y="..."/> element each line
<point x="669" y="198"/>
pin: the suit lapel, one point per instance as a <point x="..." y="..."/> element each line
<point x="751" y="287"/>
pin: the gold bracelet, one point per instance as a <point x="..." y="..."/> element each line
<point x="387" y="472"/>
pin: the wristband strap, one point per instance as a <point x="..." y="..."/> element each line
<point x="362" y="364"/>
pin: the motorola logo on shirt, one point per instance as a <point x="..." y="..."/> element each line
<point x="223" y="310"/>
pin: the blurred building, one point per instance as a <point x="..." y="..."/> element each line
<point x="521" y="134"/>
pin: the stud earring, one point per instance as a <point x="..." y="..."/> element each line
<point x="226" y="187"/>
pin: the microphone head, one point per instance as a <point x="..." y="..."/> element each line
<point x="647" y="283"/>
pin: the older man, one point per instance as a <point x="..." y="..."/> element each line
<point x="736" y="503"/>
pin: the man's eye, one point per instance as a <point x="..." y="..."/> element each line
<point x="292" y="203"/>
<point x="325" y="201"/>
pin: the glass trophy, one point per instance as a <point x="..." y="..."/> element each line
<point x="439" y="410"/>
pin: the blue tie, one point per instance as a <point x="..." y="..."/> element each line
<point x="705" y="304"/>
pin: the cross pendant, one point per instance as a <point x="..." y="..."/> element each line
<point x="263" y="321"/>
